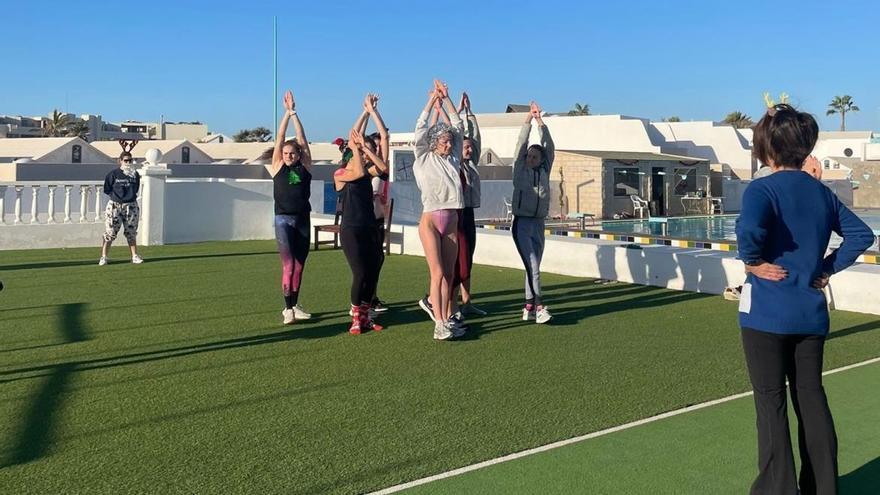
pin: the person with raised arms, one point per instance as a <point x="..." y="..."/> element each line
<point x="292" y="180"/>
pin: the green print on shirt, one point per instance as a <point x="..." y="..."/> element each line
<point x="293" y="177"/>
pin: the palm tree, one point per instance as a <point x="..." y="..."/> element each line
<point x="256" y="135"/>
<point x="77" y="128"/>
<point x="841" y="105"/>
<point x="56" y="126"/>
<point x="738" y="120"/>
<point x="580" y="109"/>
<point x="674" y="118"/>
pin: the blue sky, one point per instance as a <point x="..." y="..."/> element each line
<point x="212" y="61"/>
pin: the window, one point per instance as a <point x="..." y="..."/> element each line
<point x="827" y="164"/>
<point x="836" y="166"/>
<point x="626" y="181"/>
<point x="184" y="154"/>
<point x="685" y="180"/>
<point x="403" y="166"/>
<point x="488" y="158"/>
<point x="76" y="154"/>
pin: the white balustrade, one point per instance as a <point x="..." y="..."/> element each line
<point x="35" y="192"/>
<point x="51" y="210"/>
<point x="67" y="204"/>
<point x="83" y="202"/>
<point x="2" y="205"/>
<point x="18" y="190"/>
<point x="97" y="203"/>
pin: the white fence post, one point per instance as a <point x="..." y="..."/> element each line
<point x="35" y="192"/>
<point x="2" y="205"/>
<point x="51" y="218"/>
<point x="83" y="203"/>
<point x="67" y="189"/>
<point x="152" y="225"/>
<point x="18" y="189"/>
<point x="97" y="203"/>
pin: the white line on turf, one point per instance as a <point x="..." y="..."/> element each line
<point x="563" y="443"/>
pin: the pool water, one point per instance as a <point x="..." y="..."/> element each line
<point x="708" y="228"/>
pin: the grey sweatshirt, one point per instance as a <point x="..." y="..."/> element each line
<point x="436" y="176"/>
<point x="469" y="167"/>
<point x="531" y="186"/>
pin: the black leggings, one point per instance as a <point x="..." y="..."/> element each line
<point x="359" y="246"/>
<point x="380" y="245"/>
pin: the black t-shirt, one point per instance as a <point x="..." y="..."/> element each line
<point x="357" y="203"/>
<point x="292" y="189"/>
<point x="120" y="187"/>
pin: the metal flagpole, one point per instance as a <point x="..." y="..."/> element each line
<point x="275" y="71"/>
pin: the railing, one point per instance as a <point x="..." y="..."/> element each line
<point x="45" y="192"/>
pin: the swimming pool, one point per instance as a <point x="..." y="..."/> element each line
<point x="706" y="228"/>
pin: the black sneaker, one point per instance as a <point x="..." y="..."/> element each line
<point x="425" y="304"/>
<point x="459" y="327"/>
<point x="379" y="306"/>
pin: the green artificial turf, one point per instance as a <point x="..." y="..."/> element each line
<point x="710" y="450"/>
<point x="176" y="376"/>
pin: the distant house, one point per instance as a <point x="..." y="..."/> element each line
<point x="51" y="150"/>
<point x="603" y="182"/>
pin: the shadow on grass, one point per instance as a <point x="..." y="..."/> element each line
<point x="36" y="436"/>
<point x="156" y="259"/>
<point x="575" y="316"/>
<point x="864" y="327"/>
<point x="323" y="331"/>
<point x="863" y="480"/>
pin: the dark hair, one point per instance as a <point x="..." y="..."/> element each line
<point x="125" y="154"/>
<point x="785" y="136"/>
<point x="539" y="148"/>
<point x="372" y="140"/>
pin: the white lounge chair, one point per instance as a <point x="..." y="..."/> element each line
<point x="640" y="206"/>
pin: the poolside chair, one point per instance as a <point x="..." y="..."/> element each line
<point x="333" y="228"/>
<point x="640" y="206"/>
<point x="508" y="215"/>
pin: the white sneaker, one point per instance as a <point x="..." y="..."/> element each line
<point x="442" y="331"/>
<point x="103" y="261"/>
<point x="542" y="315"/>
<point x="288" y="316"/>
<point x="137" y="260"/>
<point x="300" y="313"/>
<point x="528" y="314"/>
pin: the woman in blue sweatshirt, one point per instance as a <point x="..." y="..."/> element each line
<point x="782" y="236"/>
<point x="122" y="212"/>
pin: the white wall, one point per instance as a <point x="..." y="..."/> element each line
<point x="697" y="270"/>
<point x="200" y="210"/>
<point x="836" y="147"/>
<point x="714" y="142"/>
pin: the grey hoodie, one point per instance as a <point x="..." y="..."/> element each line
<point x="469" y="167"/>
<point x="436" y="176"/>
<point x="531" y="186"/>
